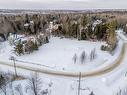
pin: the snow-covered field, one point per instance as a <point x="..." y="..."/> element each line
<point x="58" y="55"/>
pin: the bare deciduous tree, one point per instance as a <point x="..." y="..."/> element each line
<point x="91" y="93"/>
<point x="3" y="83"/>
<point x="122" y="92"/>
<point x="74" y="58"/>
<point x="18" y="88"/>
<point x="83" y="57"/>
<point x="92" y="54"/>
<point x="34" y="84"/>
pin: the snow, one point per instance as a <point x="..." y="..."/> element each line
<point x="121" y="34"/>
<point x="69" y="86"/>
<point x="1" y="39"/>
<point x="60" y="53"/>
<point x="95" y="23"/>
<point x="26" y="24"/>
<point x="107" y="84"/>
<point x="31" y="22"/>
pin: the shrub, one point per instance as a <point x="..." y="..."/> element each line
<point x="30" y="46"/>
<point x="104" y="48"/>
<point x="109" y="48"/>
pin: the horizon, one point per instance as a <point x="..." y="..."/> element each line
<point x="41" y="9"/>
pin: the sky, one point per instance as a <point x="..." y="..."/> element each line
<point x="63" y="4"/>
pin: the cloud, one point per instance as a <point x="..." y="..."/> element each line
<point x="31" y="0"/>
<point x="63" y="4"/>
<point x="79" y="0"/>
<point x="41" y="1"/>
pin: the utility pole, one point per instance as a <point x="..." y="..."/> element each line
<point x="79" y="85"/>
<point x="13" y="59"/>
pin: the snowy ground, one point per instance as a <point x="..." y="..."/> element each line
<point x="122" y="35"/>
<point x="58" y="55"/>
<point x="107" y="84"/>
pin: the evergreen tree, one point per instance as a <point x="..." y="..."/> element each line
<point x="26" y="18"/>
<point x="74" y="58"/>
<point x="92" y="54"/>
<point x="111" y="37"/>
<point x="84" y="20"/>
<point x="19" y="48"/>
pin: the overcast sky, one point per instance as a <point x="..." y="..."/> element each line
<point x="63" y="4"/>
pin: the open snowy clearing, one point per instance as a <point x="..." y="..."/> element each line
<point x="58" y="55"/>
<point x="107" y="84"/>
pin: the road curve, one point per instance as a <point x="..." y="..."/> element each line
<point x="101" y="71"/>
